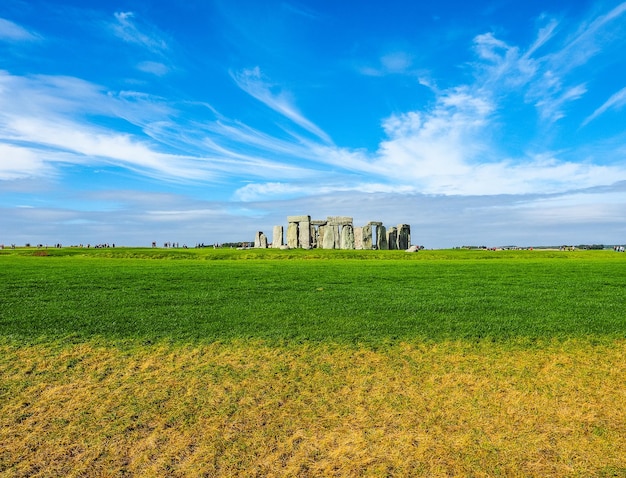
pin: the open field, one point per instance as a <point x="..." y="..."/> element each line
<point x="305" y="363"/>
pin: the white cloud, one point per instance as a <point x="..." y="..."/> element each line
<point x="397" y="62"/>
<point x="588" y="40"/>
<point x="11" y="31"/>
<point x="276" y="190"/>
<point x="47" y="116"/>
<point x="17" y="163"/>
<point x="616" y="101"/>
<point x="153" y="67"/>
<point x="392" y="63"/>
<point x="252" y="82"/>
<point x="551" y="108"/>
<point x="126" y="28"/>
<point x="436" y="149"/>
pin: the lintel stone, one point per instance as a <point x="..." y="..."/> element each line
<point x="340" y="220"/>
<point x="298" y="218"/>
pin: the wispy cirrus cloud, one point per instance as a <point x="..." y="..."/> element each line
<point x="12" y="32"/>
<point x="392" y="63"/>
<point x="18" y="162"/>
<point x="589" y="39"/>
<point x="127" y="28"/>
<point x="252" y="82"/>
<point x="153" y="67"/>
<point x="44" y="124"/>
<point x="616" y="101"/>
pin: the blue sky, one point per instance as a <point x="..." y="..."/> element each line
<point x="478" y="123"/>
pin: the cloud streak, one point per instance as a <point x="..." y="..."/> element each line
<point x="252" y="82"/>
<point x="12" y="32"/>
<point x="616" y="102"/>
<point x="127" y="29"/>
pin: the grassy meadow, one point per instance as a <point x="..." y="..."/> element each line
<point x="152" y="362"/>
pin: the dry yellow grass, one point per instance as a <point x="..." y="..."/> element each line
<point x="246" y="409"/>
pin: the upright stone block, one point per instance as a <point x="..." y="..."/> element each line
<point x="367" y="237"/>
<point x="358" y="237"/>
<point x="347" y="237"/>
<point x="277" y="237"/>
<point x="392" y="238"/>
<point x="329" y="237"/>
<point x="292" y="235"/>
<point x="404" y="236"/>
<point x="381" y="238"/>
<point x="304" y="234"/>
<point x="316" y="233"/>
<point x="263" y="241"/>
<point x="320" y="236"/>
<point x="257" y="239"/>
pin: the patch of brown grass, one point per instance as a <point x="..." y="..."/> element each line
<point x="461" y="409"/>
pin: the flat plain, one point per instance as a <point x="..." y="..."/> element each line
<point x="194" y="362"/>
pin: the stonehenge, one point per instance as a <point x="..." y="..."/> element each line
<point x="336" y="232"/>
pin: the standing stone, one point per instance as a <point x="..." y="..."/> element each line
<point x="404" y="236"/>
<point x="304" y="234"/>
<point x="347" y="237"/>
<point x="358" y="237"/>
<point x="328" y="240"/>
<point x="277" y="237"/>
<point x="263" y="241"/>
<point x="381" y="238"/>
<point x="320" y="236"/>
<point x="292" y="235"/>
<point x="257" y="239"/>
<point x="316" y="233"/>
<point x="367" y="237"/>
<point x="392" y="238"/>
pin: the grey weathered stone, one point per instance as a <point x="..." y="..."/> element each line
<point x="381" y="238"/>
<point x="328" y="240"/>
<point x="314" y="237"/>
<point x="347" y="237"/>
<point x="277" y="237"/>
<point x="374" y="223"/>
<point x="392" y="238"/>
<point x="298" y="218"/>
<point x="292" y="235"/>
<point x="318" y="222"/>
<point x="263" y="241"/>
<point x="339" y="220"/>
<point x="413" y="249"/>
<point x="367" y="237"/>
<point x="304" y="234"/>
<point x="358" y="237"/>
<point x="320" y="236"/>
<point x="257" y="239"/>
<point x="404" y="236"/>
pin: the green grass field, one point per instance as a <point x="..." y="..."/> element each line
<point x="323" y="296"/>
<point x="151" y="362"/>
